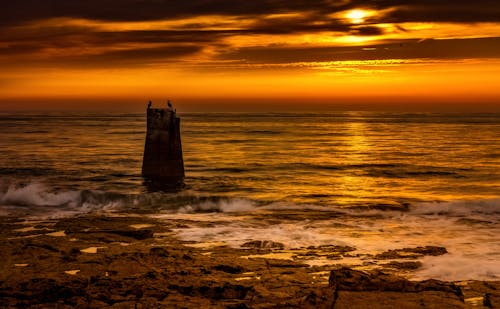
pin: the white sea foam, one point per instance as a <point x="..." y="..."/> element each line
<point x="457" y="267"/>
<point x="458" y="208"/>
<point x="42" y="201"/>
<point x="473" y="253"/>
<point x="371" y="231"/>
<point x="290" y="234"/>
<point x="472" y="250"/>
<point x="229" y="205"/>
<point x="37" y="194"/>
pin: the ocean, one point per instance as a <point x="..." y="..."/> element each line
<point x="374" y="181"/>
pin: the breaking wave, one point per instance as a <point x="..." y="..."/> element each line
<point x="458" y="208"/>
<point x="224" y="205"/>
<point x="37" y="195"/>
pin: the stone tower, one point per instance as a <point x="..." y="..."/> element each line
<point x="163" y="150"/>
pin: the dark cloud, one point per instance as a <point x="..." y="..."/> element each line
<point x="460" y="14"/>
<point x="367" y="30"/>
<point x="164" y="52"/>
<point x="16" y="49"/>
<point x="464" y="11"/>
<point x="148" y="46"/>
<point x="20" y="11"/>
<point x="130" y="57"/>
<point x="307" y="22"/>
<point x="135" y="10"/>
<point x="404" y="49"/>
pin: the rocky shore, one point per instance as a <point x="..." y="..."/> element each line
<point x="137" y="262"/>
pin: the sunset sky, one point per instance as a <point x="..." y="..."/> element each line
<point x="238" y="55"/>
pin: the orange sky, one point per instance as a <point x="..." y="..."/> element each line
<point x="235" y="55"/>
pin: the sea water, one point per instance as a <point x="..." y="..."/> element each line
<point x="371" y="180"/>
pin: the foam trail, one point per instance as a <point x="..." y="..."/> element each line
<point x="41" y="201"/>
<point x="37" y="194"/>
<point x="229" y="205"/>
<point x="457" y="267"/>
<point x="458" y="208"/>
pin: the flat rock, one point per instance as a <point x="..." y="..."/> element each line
<point x="263" y="244"/>
<point x="347" y="279"/>
<point x="411" y="252"/>
<point x="410" y="265"/>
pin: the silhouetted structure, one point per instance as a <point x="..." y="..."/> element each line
<point x="163" y="150"/>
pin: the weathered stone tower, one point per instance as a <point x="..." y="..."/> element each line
<point x="163" y="150"/>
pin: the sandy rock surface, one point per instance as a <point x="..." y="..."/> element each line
<point x="124" y="262"/>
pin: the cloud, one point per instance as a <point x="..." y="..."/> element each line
<point x="129" y="57"/>
<point x="21" y="11"/>
<point x="401" y="49"/>
<point x="367" y="30"/>
<point x="108" y="32"/>
<point x="22" y="48"/>
<point x="139" y="55"/>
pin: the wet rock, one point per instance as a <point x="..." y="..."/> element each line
<point x="346" y="279"/>
<point x="390" y="207"/>
<point x="237" y="306"/>
<point x="229" y="269"/>
<point x="487" y="301"/>
<point x="97" y="304"/>
<point x="404" y="265"/>
<point x="205" y="271"/>
<point x="159" y="251"/>
<point x="441" y="286"/>
<point x="42" y="246"/>
<point x="311" y="253"/>
<point x="226" y="291"/>
<point x="411" y="253"/>
<point x="285" y="264"/>
<point x="429" y="250"/>
<point x="150" y="275"/>
<point x="41" y="290"/>
<point x="334" y="256"/>
<point x="137" y="291"/>
<point x="317" y="299"/>
<point x="136" y="234"/>
<point x="184" y="290"/>
<point x="333" y="248"/>
<point x="263" y="244"/>
<point x="76" y="302"/>
<point x="71" y="255"/>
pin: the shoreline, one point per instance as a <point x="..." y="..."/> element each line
<point x="96" y="261"/>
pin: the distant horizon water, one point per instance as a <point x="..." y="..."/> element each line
<point x="250" y="105"/>
<point x="371" y="180"/>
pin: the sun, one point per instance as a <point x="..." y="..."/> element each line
<point x="357" y="16"/>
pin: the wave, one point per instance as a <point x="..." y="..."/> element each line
<point x="387" y="170"/>
<point x="458" y="208"/>
<point x="224" y="205"/>
<point x="485" y="209"/>
<point x="370" y="170"/>
<point x="27" y="171"/>
<point x="37" y="195"/>
<point x="458" y="266"/>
